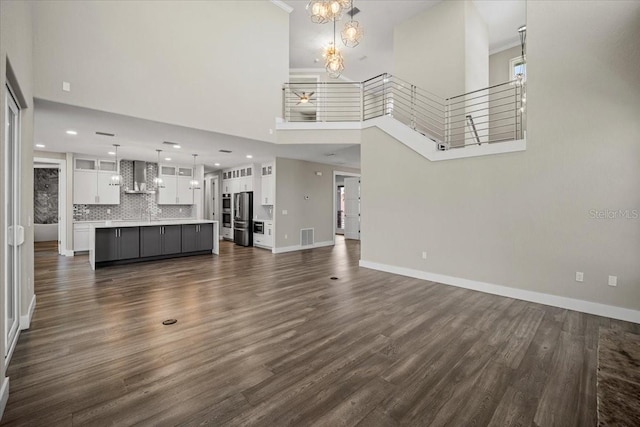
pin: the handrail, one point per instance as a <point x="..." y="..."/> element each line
<point x="444" y="120"/>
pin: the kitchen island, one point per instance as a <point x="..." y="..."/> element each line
<point x="124" y="242"/>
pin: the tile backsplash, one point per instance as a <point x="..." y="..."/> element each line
<point x="132" y="206"/>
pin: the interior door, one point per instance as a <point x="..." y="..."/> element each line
<point x="352" y="208"/>
<point x="15" y="233"/>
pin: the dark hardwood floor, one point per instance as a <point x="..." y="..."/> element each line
<point x="266" y="339"/>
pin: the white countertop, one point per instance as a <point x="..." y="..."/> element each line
<point x="121" y="223"/>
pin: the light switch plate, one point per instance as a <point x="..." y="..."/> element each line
<point x="613" y="280"/>
<point x="66" y="86"/>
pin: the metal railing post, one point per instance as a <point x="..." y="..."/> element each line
<point x="362" y="101"/>
<point x="515" y="115"/>
<point x="283" y="101"/>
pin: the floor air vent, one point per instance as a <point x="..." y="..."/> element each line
<point x="306" y="237"/>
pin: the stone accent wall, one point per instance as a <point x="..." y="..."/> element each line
<point x="45" y="196"/>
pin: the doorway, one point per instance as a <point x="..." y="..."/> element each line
<point x="44" y="204"/>
<point x="346" y="205"/>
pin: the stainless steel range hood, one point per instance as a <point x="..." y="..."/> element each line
<point x="139" y="179"/>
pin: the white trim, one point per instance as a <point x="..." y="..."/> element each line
<point x="583" y="306"/>
<point x="25" y="319"/>
<point x="282" y="5"/>
<point x="4" y="395"/>
<point x="300" y="248"/>
<point x="68" y="252"/>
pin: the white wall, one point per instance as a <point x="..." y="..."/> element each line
<point x="429" y="49"/>
<point x="526" y="220"/>
<point x="16" y="48"/>
<point x="216" y="65"/>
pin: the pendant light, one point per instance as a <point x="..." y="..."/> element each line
<point x="116" y="179"/>
<point x="157" y="180"/>
<point x="194" y="184"/>
<point x="334" y="62"/>
<point x="352" y="32"/>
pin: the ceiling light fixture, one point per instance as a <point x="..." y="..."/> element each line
<point x="334" y="63"/>
<point x="168" y="159"/>
<point x="194" y="184"/>
<point x="352" y="32"/>
<point x="216" y="164"/>
<point x="72" y="132"/>
<point x="323" y="11"/>
<point x="157" y="180"/>
<point x="112" y="153"/>
<point x="40" y="145"/>
<point x="116" y="179"/>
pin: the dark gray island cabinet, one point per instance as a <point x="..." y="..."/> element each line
<point x="160" y="240"/>
<point x="117" y="243"/>
<point x="197" y="237"/>
<point x="128" y="241"/>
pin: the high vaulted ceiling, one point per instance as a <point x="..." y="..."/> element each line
<point x="374" y="55"/>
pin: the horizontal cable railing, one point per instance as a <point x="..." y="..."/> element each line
<point x="488" y="115"/>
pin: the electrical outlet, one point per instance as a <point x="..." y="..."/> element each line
<point x="424" y="255"/>
<point x="579" y="276"/>
<point x="285" y="237"/>
<point x="159" y="210"/>
<point x="108" y="211"/>
<point x="613" y="280"/>
<point x="180" y="210"/>
<point x="66" y="86"/>
<point x="284" y="212"/>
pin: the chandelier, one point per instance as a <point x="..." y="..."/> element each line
<point x="323" y="11"/>
<point x="352" y="32"/>
<point x="334" y="62"/>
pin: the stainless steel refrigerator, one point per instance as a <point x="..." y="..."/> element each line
<point x="242" y="214"/>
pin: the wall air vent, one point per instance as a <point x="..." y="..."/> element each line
<point x="306" y="237"/>
<point x="105" y="133"/>
<point x="173" y="144"/>
<point x="225" y="151"/>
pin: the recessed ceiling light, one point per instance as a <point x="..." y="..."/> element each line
<point x="40" y="145"/>
<point x="216" y="164"/>
<point x="249" y="156"/>
<point x="176" y="146"/>
<point x="168" y="159"/>
<point x="112" y="153"/>
<point x="72" y="132"/>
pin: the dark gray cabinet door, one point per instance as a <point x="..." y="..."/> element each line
<point x="150" y="241"/>
<point x="129" y="242"/>
<point x="189" y="238"/>
<point x="172" y="239"/>
<point x="205" y="237"/>
<point x="106" y="244"/>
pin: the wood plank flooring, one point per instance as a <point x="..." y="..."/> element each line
<point x="267" y="339"/>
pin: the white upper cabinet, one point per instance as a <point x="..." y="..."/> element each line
<point x="177" y="185"/>
<point x="91" y="182"/>
<point x="268" y="196"/>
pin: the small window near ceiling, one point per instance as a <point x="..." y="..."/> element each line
<point x="517" y="66"/>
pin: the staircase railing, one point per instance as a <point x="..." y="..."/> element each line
<point x="496" y="112"/>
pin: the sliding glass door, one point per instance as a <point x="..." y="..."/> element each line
<point x="14" y="233"/>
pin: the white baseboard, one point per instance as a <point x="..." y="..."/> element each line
<point x="598" y="309"/>
<point x="301" y="248"/>
<point x="25" y="319"/>
<point x="68" y="252"/>
<point x="4" y="395"/>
